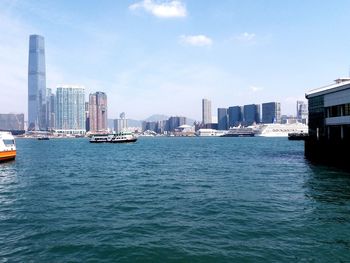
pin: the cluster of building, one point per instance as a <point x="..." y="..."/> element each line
<point x="247" y="115"/>
<point x="65" y="111"/>
<point x="165" y="126"/>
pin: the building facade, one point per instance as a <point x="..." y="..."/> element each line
<point x="302" y="112"/>
<point x="329" y="123"/>
<point x="234" y="116"/>
<point x="206" y="111"/>
<point x="222" y="119"/>
<point x="271" y="112"/>
<point x="121" y="124"/>
<point x="251" y="114"/>
<point x="174" y="122"/>
<point x="12" y="122"/>
<point x="50" y="110"/>
<point x="98" y="112"/>
<point x="37" y="115"/>
<point x="70" y="109"/>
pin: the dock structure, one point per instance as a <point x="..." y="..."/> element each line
<point x="329" y="124"/>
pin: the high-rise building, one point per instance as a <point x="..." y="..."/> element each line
<point x="12" y="122"/>
<point x="70" y="109"/>
<point x="302" y="112"/>
<point x="175" y="122"/>
<point x="206" y="111"/>
<point x="37" y="116"/>
<point x="121" y="124"/>
<point x="50" y="109"/>
<point x="222" y="119"/>
<point x="271" y="112"/>
<point x="98" y="112"/>
<point x="251" y="114"/>
<point x="87" y="117"/>
<point x="235" y="116"/>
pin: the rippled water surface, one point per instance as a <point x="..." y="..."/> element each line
<point x="172" y="200"/>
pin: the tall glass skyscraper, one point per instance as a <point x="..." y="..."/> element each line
<point x="222" y="119"/>
<point x="70" y="110"/>
<point x="271" y="112"/>
<point x="251" y="114"/>
<point x="235" y="116"/>
<point x="206" y="111"/>
<point x="37" y="116"/>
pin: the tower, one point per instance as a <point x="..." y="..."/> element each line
<point x="98" y="112"/>
<point x="206" y="111"/>
<point x="37" y="116"/>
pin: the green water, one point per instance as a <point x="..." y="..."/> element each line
<point x="172" y="200"/>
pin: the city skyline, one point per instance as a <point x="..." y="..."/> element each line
<point x="175" y="54"/>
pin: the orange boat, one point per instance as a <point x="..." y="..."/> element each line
<point x="7" y="147"/>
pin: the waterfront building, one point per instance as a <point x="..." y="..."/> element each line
<point x="206" y="111"/>
<point x="222" y="119"/>
<point x="174" y="122"/>
<point x="271" y="112"/>
<point x="251" y="114"/>
<point x="98" y="112"/>
<point x="12" y="122"/>
<point x="234" y="116"/>
<point x="288" y="119"/>
<point x="121" y="124"/>
<point x="50" y="109"/>
<point x="302" y="112"/>
<point x="37" y="116"/>
<point x="329" y="123"/>
<point x="87" y="117"/>
<point x="70" y="109"/>
<point x="150" y="126"/>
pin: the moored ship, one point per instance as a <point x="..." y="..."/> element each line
<point x="239" y="132"/>
<point x="121" y="137"/>
<point x="279" y="130"/>
<point x="7" y="147"/>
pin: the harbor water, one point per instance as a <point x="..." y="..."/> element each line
<point x="172" y="200"/>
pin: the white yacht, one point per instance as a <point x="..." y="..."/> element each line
<point x="279" y="130"/>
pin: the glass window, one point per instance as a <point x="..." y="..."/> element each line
<point x="9" y="142"/>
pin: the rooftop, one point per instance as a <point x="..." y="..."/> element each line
<point x="340" y="84"/>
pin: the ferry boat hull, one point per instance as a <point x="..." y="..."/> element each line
<point x="7" y="156"/>
<point x="7" y="147"/>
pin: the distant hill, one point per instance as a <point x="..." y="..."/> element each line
<point x="134" y="123"/>
<point x="157" y="117"/>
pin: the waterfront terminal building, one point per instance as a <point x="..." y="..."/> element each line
<point x="329" y="123"/>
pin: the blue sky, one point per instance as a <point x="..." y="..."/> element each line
<point x="165" y="56"/>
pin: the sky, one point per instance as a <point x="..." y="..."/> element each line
<point x="163" y="57"/>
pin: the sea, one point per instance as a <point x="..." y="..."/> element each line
<point x="172" y="199"/>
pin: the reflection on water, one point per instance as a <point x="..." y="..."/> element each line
<point x="8" y="184"/>
<point x="327" y="184"/>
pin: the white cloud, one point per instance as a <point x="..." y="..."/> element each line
<point x="246" y="37"/>
<point x="255" y="88"/>
<point x="164" y="10"/>
<point x="198" y="40"/>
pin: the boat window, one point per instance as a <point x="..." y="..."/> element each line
<point x="9" y="142"/>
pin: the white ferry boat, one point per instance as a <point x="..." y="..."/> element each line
<point x="7" y="147"/>
<point x="121" y="137"/>
<point x="279" y="130"/>
<point x="239" y="132"/>
<point x="209" y="133"/>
